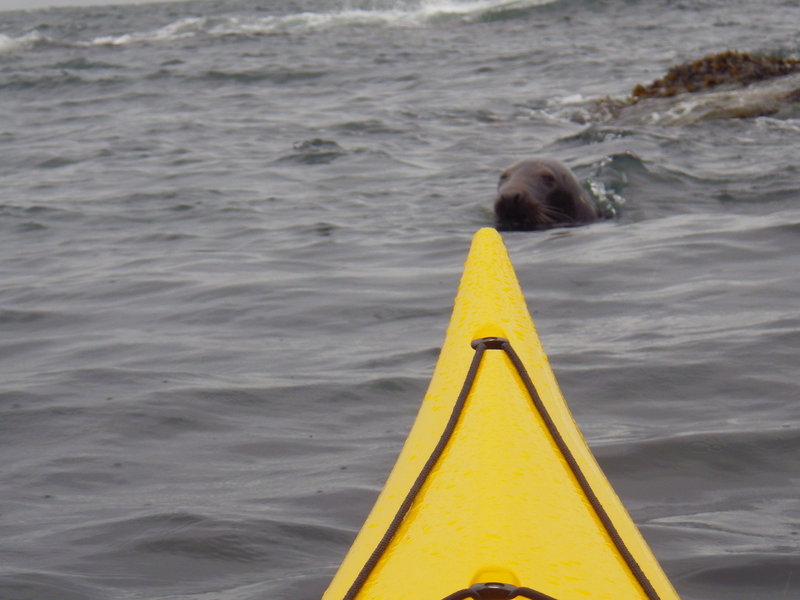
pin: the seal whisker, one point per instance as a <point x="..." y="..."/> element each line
<point x="556" y="215"/>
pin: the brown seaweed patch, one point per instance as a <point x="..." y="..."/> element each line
<point x="722" y="87"/>
<point x="724" y="68"/>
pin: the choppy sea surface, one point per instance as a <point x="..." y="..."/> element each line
<point x="230" y="237"/>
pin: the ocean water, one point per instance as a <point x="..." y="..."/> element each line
<point x="232" y="231"/>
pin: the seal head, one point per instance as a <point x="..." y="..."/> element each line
<point x="540" y="194"/>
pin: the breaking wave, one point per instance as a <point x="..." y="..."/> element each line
<point x="392" y="14"/>
<point x="10" y="45"/>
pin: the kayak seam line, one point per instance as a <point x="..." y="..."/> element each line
<point x="599" y="510"/>
<point x="437" y="452"/>
<point x="481" y="346"/>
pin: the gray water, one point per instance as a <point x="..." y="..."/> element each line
<point x="232" y="232"/>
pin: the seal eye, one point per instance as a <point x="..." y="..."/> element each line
<point x="548" y="179"/>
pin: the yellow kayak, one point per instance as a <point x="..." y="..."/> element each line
<point x="495" y="493"/>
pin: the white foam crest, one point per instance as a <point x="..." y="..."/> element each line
<point x="180" y="29"/>
<point x="9" y="45"/>
<point x="309" y="21"/>
<point x="397" y="14"/>
<point x="433" y="8"/>
<point x="248" y="25"/>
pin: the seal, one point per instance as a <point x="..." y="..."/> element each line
<point x="539" y="194"/>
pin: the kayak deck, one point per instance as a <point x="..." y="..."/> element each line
<point x="495" y="484"/>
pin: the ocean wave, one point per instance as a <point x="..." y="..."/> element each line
<point x="10" y="45"/>
<point x="394" y="14"/>
<point x="183" y="28"/>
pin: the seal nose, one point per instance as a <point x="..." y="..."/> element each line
<point x="514" y="202"/>
<point x="512" y="199"/>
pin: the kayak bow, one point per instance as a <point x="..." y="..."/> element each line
<point x="495" y="493"/>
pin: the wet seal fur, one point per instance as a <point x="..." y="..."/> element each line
<point x="541" y="193"/>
